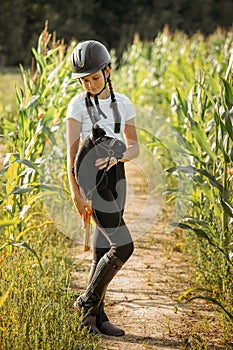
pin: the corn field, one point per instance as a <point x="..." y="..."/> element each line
<point x="188" y="81"/>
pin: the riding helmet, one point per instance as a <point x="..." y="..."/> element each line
<point x="89" y="57"/>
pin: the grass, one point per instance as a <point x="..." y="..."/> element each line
<point x="38" y="312"/>
<point x="36" y="305"/>
<point x="9" y="78"/>
<point x="36" y="299"/>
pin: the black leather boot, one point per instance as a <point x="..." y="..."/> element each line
<point x="102" y="320"/>
<point x="89" y="302"/>
<point x="105" y="326"/>
<point x="89" y="318"/>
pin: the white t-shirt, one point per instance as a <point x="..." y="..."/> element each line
<point x="77" y="110"/>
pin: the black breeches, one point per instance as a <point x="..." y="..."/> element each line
<point x="108" y="207"/>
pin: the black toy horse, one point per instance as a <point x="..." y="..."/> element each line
<point x="95" y="146"/>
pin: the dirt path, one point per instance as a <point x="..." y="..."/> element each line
<point x="142" y="298"/>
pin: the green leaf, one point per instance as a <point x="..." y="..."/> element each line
<point x="226" y="207"/>
<point x="32" y="100"/>
<point x="195" y="221"/>
<point x="201" y="234"/>
<point x="189" y="169"/>
<point x="214" y="301"/>
<point x="228" y="96"/>
<point x="17" y="190"/>
<point x="21" y="190"/>
<point x="47" y="117"/>
<point x="181" y="225"/>
<point x="24" y="161"/>
<point x="200" y="136"/>
<point x="231" y="153"/>
<point x="228" y="124"/>
<point x="28" y="163"/>
<point x="185" y="169"/>
<point x="183" y="102"/>
<point x="39" y="59"/>
<point x="25" y="246"/>
<point x="211" y="178"/>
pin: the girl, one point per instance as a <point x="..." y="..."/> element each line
<point x="112" y="243"/>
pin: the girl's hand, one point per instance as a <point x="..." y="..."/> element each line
<point x="80" y="205"/>
<point x="101" y="163"/>
<point x="82" y="208"/>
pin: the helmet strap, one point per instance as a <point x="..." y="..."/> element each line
<point x="96" y="116"/>
<point x="98" y="107"/>
<point x="101" y="113"/>
<point x="105" y="82"/>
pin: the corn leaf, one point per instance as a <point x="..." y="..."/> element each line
<point x="214" y="301"/>
<point x="226" y="207"/>
<point x="189" y="169"/>
<point x="200" y="136"/>
<point x="228" y="96"/>
<point x="24" y="245"/>
<point x="228" y="124"/>
<point x="23" y="161"/>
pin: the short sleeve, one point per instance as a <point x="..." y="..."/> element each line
<point x="75" y="108"/>
<point x="130" y="112"/>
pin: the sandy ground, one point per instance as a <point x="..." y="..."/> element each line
<point x="143" y="297"/>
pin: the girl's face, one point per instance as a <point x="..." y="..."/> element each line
<point x="95" y="82"/>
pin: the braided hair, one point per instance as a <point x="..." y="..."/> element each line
<point x="114" y="106"/>
<point x="95" y="117"/>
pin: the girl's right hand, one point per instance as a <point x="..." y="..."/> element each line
<point x="82" y="207"/>
<point x="80" y="204"/>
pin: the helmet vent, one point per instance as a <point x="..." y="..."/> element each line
<point x="80" y="61"/>
<point x="82" y="54"/>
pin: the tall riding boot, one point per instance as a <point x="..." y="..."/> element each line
<point x="102" y="320"/>
<point x="104" y="325"/>
<point x="89" y="302"/>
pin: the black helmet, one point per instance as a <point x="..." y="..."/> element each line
<point x="89" y="57"/>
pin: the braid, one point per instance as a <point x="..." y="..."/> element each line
<point x="95" y="117"/>
<point x="114" y="106"/>
<point x="113" y="97"/>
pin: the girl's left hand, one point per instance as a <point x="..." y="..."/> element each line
<point x="101" y="163"/>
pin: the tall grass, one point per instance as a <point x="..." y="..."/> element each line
<point x="35" y="297"/>
<point x="37" y="312"/>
